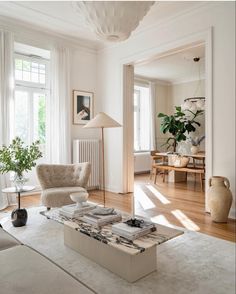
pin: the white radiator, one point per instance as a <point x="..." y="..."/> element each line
<point x="87" y="150"/>
<point x="142" y="162"/>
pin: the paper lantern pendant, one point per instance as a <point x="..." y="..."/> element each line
<point x="113" y="20"/>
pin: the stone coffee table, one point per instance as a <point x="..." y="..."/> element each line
<point x="130" y="260"/>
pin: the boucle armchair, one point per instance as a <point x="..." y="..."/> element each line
<point x="58" y="181"/>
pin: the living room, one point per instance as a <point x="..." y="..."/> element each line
<point x="73" y="91"/>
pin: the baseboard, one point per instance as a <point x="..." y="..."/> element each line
<point x="113" y="189"/>
<point x="142" y="172"/>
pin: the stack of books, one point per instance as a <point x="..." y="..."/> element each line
<point x="101" y="220"/>
<point x="73" y="211"/>
<point x="133" y="232"/>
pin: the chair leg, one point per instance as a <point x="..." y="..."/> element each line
<point x="151" y="173"/>
<point x="155" y="179"/>
<point x="164" y="173"/>
<point x="201" y="182"/>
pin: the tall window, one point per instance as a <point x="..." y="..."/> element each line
<point x="31" y="92"/>
<point x="141" y="118"/>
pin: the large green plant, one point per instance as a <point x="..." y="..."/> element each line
<point x="19" y="158"/>
<point x="178" y="125"/>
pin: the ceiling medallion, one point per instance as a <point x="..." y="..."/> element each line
<point x="113" y="20"/>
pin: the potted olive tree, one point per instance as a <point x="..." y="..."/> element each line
<point x="178" y="125"/>
<point x="19" y="158"/>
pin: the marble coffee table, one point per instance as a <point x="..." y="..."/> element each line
<point x="130" y="260"/>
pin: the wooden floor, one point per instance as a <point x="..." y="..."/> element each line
<point x="179" y="204"/>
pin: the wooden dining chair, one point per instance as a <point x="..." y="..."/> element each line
<point x="155" y="159"/>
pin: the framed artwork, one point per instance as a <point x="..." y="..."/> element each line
<point x="82" y="107"/>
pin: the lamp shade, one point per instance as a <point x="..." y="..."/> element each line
<point x="102" y="120"/>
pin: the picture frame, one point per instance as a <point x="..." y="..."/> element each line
<point x="82" y="107"/>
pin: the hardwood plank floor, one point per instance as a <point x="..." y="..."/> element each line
<point x="179" y="204"/>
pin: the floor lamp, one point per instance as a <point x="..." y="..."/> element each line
<point x="101" y="121"/>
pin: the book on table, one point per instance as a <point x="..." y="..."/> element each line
<point x="101" y="220"/>
<point x="130" y="232"/>
<point x="74" y="211"/>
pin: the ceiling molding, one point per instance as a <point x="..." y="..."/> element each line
<point x="25" y="30"/>
<point x="185" y="81"/>
<point x="142" y="78"/>
<point x="19" y="4"/>
<point x="147" y="79"/>
<point x="159" y="25"/>
<point x="169" y="53"/>
<point x="168" y="20"/>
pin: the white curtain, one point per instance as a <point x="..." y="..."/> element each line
<point x="6" y="100"/>
<point x="59" y="108"/>
<point x="152" y="91"/>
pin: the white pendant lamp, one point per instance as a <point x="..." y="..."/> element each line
<point x="101" y="121"/>
<point x="195" y="103"/>
<point x="113" y="20"/>
<point x="200" y="104"/>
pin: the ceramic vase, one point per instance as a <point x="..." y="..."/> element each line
<point x="219" y="198"/>
<point x="194" y="149"/>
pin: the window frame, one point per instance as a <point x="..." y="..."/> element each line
<point x="36" y="59"/>
<point x="137" y="110"/>
<point x="138" y="107"/>
<point x="33" y="88"/>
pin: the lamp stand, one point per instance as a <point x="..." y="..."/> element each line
<point x="103" y="170"/>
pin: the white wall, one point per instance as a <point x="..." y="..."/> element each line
<point x="83" y="63"/>
<point x="177" y="94"/>
<point x="221" y="17"/>
<point x="83" y="77"/>
<point x="170" y="95"/>
<point x="162" y="103"/>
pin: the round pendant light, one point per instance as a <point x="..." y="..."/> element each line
<point x="113" y="20"/>
<point x="195" y="103"/>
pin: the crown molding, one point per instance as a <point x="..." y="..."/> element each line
<point x="185" y="81"/>
<point x="33" y="33"/>
<point x="140" y="78"/>
<point x="161" y="24"/>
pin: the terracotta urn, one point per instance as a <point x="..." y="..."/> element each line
<point x="220" y="198"/>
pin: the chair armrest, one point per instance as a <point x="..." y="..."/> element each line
<point x="85" y="173"/>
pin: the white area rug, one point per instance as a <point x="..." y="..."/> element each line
<point x="191" y="263"/>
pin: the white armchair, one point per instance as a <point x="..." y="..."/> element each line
<point x="59" y="181"/>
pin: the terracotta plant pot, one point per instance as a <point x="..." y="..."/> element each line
<point x="220" y="198"/>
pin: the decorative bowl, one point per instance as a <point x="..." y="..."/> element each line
<point x="79" y="198"/>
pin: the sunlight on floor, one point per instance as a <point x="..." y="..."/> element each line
<point x="142" y="198"/>
<point x="160" y="197"/>
<point x="161" y="219"/>
<point x="185" y="221"/>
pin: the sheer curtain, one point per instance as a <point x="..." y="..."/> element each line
<point x="152" y="93"/>
<point x="6" y="100"/>
<point x="59" y="108"/>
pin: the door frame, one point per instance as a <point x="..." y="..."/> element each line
<point x="127" y="70"/>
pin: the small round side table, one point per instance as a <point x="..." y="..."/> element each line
<point x="19" y="215"/>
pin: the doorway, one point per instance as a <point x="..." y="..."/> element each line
<point x="127" y="101"/>
<point x="172" y="87"/>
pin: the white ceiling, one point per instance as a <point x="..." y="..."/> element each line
<point x="61" y="18"/>
<point x="175" y="68"/>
